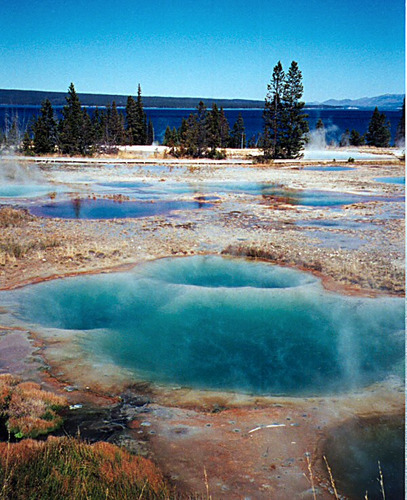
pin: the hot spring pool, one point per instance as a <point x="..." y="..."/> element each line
<point x="8" y="190"/>
<point x="267" y="190"/>
<point x="112" y="209"/>
<point x="392" y="180"/>
<point x="221" y="323"/>
<point x="354" y="450"/>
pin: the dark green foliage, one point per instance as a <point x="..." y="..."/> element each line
<point x="150" y="133"/>
<point x="378" y="132"/>
<point x="345" y="139"/>
<point x="238" y="135"/>
<point x="355" y="139"/>
<point x="400" y="138"/>
<point x="272" y="115"/>
<point x="27" y="144"/>
<point x="136" y="120"/>
<point x="224" y="129"/>
<point x="45" y="130"/>
<point x="75" y="135"/>
<point x="320" y="124"/>
<point x="285" y="124"/>
<point x="114" y="134"/>
<point x="170" y="137"/>
<point x="213" y="128"/>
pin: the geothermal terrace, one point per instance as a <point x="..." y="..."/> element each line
<point x="182" y="238"/>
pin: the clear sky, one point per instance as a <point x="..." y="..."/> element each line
<point x="203" y="48"/>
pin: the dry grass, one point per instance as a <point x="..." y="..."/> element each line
<point x="14" y="248"/>
<point x="66" y="468"/>
<point x="28" y="410"/>
<point x="12" y="217"/>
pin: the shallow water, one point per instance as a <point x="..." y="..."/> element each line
<point x="220" y="323"/>
<point x="112" y="209"/>
<point x="332" y="168"/>
<point x="269" y="191"/>
<point x="391" y="180"/>
<point x="25" y="190"/>
<point x="353" y="452"/>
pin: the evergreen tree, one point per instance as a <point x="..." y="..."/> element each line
<point x="168" y="137"/>
<point x="45" y="130"/>
<point x="71" y="127"/>
<point x="238" y="135"/>
<point x="400" y="139"/>
<point x="378" y="132"/>
<point x="99" y="126"/>
<point x="150" y="133"/>
<point x="224" y="129"/>
<point x="141" y="120"/>
<point x="213" y="128"/>
<point x="27" y="143"/>
<point x="201" y="129"/>
<point x="285" y="124"/>
<point x="131" y="120"/>
<point x="272" y="114"/>
<point x="320" y="124"/>
<point x="345" y="139"/>
<point x="115" y="126"/>
<point x="355" y="139"/>
<point x="294" y="123"/>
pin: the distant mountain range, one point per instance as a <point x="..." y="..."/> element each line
<point x="35" y="97"/>
<point x="386" y="101"/>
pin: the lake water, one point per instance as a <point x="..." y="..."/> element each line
<point x="221" y="323"/>
<point x="336" y="120"/>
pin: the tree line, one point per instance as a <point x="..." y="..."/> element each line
<point x="205" y="133"/>
<point x="77" y="133"/>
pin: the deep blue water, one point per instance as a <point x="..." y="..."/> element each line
<point x="336" y="120"/>
<point x="219" y="323"/>
<point x="112" y="209"/>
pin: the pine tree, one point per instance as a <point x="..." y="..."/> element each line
<point x="141" y="120"/>
<point x="71" y="129"/>
<point x="115" y="126"/>
<point x="213" y="128"/>
<point x="201" y="130"/>
<point x="238" y="135"/>
<point x="131" y="121"/>
<point x="378" y="132"/>
<point x="167" y="137"/>
<point x="285" y="124"/>
<point x="45" y="130"/>
<point x="150" y="133"/>
<point x="27" y="143"/>
<point x="294" y="123"/>
<point x="224" y="129"/>
<point x="400" y="138"/>
<point x="272" y="114"/>
<point x="355" y="139"/>
<point x="320" y="124"/>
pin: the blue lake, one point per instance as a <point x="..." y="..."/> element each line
<point x="221" y="323"/>
<point x="336" y="120"/>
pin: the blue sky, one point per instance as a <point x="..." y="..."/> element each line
<point x="204" y="48"/>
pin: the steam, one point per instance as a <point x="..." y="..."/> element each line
<point x="14" y="172"/>
<point x="317" y="139"/>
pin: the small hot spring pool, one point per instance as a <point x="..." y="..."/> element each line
<point x="210" y="322"/>
<point x="112" y="209"/>
<point x="26" y="190"/>
<point x="270" y="192"/>
<point x="353" y="451"/>
<point x="328" y="168"/>
<point x="391" y="180"/>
